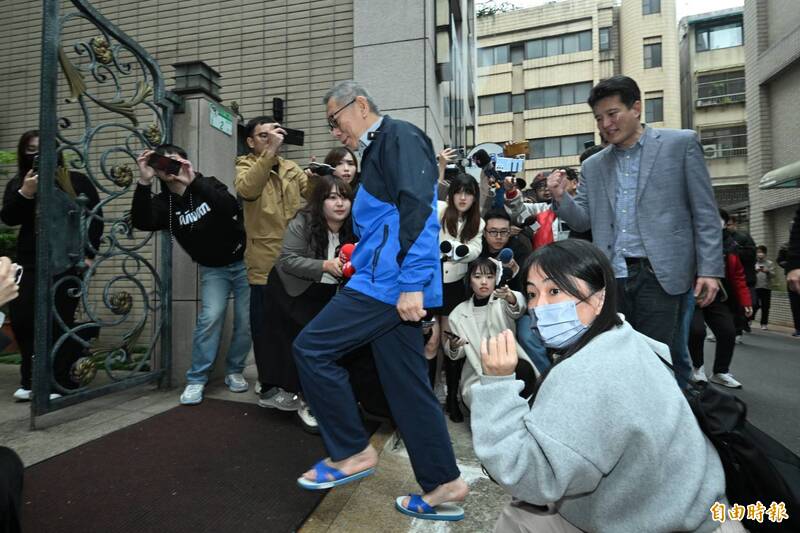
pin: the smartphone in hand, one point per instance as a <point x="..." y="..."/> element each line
<point x="164" y="164"/>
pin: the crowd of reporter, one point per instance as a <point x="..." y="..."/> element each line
<point x="529" y="334"/>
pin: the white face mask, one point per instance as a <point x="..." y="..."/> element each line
<point x="558" y="324"/>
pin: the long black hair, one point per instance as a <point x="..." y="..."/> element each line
<point x="564" y="262"/>
<point x="315" y="215"/>
<point x="462" y="182"/>
<point x="25" y="160"/>
<point x="335" y="157"/>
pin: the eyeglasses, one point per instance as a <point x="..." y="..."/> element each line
<point x="332" y="122"/>
<point x="498" y="232"/>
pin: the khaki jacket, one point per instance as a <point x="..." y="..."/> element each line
<point x="272" y="190"/>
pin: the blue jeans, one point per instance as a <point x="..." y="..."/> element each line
<point x="216" y="284"/>
<point x="532" y="343"/>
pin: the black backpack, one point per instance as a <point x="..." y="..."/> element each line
<point x="757" y="467"/>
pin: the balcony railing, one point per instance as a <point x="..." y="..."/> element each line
<point x="708" y="101"/>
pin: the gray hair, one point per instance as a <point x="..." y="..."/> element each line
<point x="346" y="91"/>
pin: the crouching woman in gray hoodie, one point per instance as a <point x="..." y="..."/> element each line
<point x="607" y="442"/>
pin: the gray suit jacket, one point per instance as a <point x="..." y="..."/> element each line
<point x="675" y="208"/>
<point x="296" y="265"/>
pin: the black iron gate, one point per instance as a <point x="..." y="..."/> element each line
<point x="103" y="100"/>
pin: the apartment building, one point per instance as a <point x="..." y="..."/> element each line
<point x="772" y="78"/>
<point x="536" y="67"/>
<point x="713" y="95"/>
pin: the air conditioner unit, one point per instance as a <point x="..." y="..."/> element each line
<point x="711" y="151"/>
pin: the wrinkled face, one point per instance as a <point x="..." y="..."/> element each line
<point x="543" y="291"/>
<point x="482" y="282"/>
<point x="346" y="169"/>
<point x="497" y="232"/>
<point x="347" y="120"/>
<point x="618" y="123"/>
<point x="336" y="207"/>
<point x="463" y="201"/>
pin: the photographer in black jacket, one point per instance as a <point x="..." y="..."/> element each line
<point x="205" y="219"/>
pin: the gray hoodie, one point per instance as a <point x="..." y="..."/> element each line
<point x="610" y="440"/>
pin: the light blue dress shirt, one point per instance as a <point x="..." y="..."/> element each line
<point x="628" y="241"/>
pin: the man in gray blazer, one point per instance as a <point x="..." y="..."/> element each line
<point x="648" y="200"/>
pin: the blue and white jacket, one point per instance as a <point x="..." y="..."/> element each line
<point x="394" y="217"/>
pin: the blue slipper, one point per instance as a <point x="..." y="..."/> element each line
<point x="418" y="508"/>
<point x="328" y="477"/>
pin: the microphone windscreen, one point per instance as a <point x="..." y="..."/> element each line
<point x="346" y="251"/>
<point x="445" y="247"/>
<point x="461" y="251"/>
<point x="505" y="255"/>
<point x="481" y="158"/>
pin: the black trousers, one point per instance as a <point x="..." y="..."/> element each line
<point x="652" y="311"/>
<point x="11" y="476"/>
<point x="762" y="301"/>
<point x="22" y="314"/>
<point x="794" y="304"/>
<point x="719" y="318"/>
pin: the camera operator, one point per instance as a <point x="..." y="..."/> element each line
<point x="548" y="227"/>
<point x="205" y="219"/>
<point x="272" y="189"/>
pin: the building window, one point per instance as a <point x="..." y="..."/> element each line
<point x="575" y="93"/>
<point x="518" y="103"/>
<point x="495" y="55"/>
<point x="654" y="109"/>
<point x="563" y="44"/>
<point x="652" y="55"/>
<point x="498" y="103"/>
<point x="651" y="7"/>
<point x="517" y="53"/>
<point x="558" y="146"/>
<point x="730" y="141"/>
<point x="720" y="88"/>
<point x="719" y="35"/>
<point x="605" y="39"/>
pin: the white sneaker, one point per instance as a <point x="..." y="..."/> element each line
<point x="236" y="383"/>
<point x="699" y="374"/>
<point x="22" y="395"/>
<point x="257" y="387"/>
<point x="192" y="394"/>
<point x="726" y="380"/>
<point x="739" y="339"/>
<point x="711" y="338"/>
<point x="277" y="398"/>
<point x="54" y="395"/>
<point x="763" y="327"/>
<point x="307" y="418"/>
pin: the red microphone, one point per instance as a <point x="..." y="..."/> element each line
<point x="345" y="253"/>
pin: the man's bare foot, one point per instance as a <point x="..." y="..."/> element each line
<point x="367" y="458"/>
<point x="454" y="491"/>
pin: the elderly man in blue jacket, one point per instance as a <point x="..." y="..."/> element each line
<point x="397" y="276"/>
